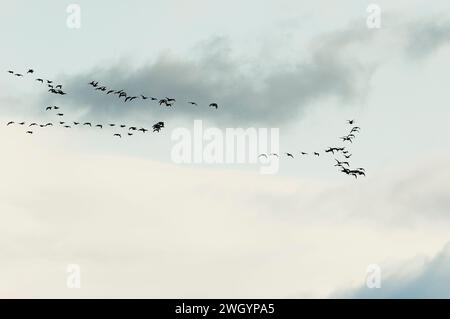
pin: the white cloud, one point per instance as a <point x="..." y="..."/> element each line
<point x="144" y="229"/>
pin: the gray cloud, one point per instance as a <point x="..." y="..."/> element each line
<point x="430" y="281"/>
<point x="215" y="76"/>
<point x="333" y="70"/>
<point x="425" y="36"/>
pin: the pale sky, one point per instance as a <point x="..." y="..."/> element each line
<point x="140" y="225"/>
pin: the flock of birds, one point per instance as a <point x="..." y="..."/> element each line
<point x="52" y="87"/>
<point x="57" y="89"/>
<point x="343" y="165"/>
<point x="167" y="101"/>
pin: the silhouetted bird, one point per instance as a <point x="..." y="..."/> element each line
<point x="214" y="105"/>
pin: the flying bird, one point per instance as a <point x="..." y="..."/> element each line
<point x="30" y="71"/>
<point x="118" y="135"/>
<point x="317" y="154"/>
<point x="289" y="155"/>
<point x="339" y="163"/>
<point x="274" y="154"/>
<point x="214" y="105"/>
<point x="346" y="138"/>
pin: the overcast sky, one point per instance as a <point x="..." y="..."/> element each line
<point x="140" y="225"/>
